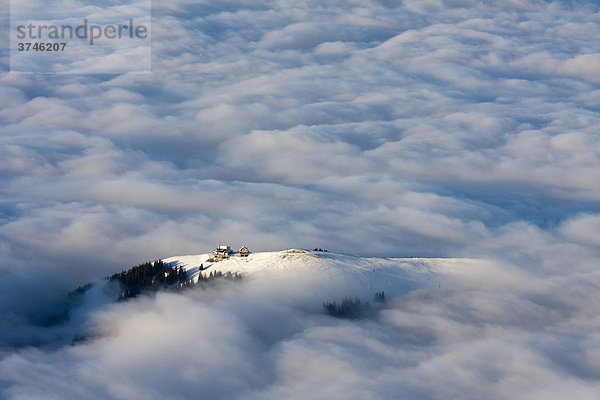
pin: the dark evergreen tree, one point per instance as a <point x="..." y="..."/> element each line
<point x="348" y="308"/>
<point x="380" y="297"/>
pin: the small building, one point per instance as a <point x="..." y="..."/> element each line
<point x="221" y="253"/>
<point x="243" y="252"/>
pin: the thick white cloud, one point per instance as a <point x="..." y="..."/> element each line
<point x="487" y="330"/>
<point x="414" y="128"/>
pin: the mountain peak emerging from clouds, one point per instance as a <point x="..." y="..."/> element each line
<point x="359" y="274"/>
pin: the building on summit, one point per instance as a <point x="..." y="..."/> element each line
<point x="243" y="252"/>
<point x="221" y="253"/>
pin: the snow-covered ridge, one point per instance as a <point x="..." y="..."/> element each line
<point x="314" y="275"/>
<point x="394" y="275"/>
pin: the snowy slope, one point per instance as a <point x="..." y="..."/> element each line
<point x="295" y="273"/>
<point x="356" y="274"/>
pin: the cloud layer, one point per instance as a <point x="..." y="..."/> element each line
<point x="486" y="330"/>
<point x="415" y="128"/>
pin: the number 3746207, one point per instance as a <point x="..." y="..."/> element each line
<point x="40" y="46"/>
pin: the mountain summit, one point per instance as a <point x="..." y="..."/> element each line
<point x="354" y="273"/>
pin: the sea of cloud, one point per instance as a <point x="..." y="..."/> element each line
<point x="409" y="128"/>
